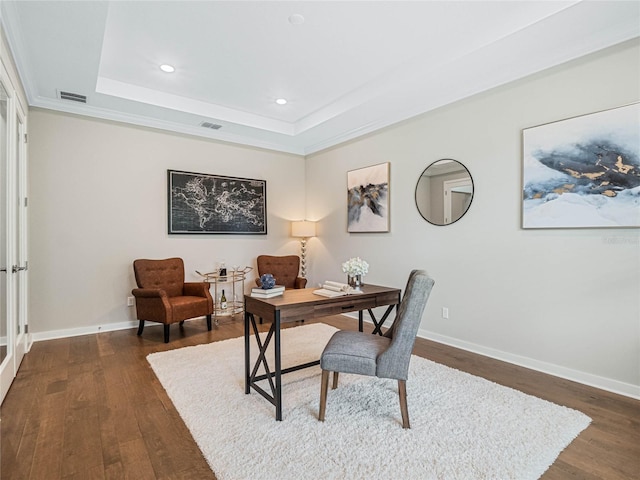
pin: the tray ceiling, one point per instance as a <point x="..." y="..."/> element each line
<point x="345" y="68"/>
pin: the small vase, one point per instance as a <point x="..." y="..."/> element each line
<point x="354" y="281"/>
<point x="267" y="281"/>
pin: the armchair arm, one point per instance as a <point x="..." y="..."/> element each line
<point x="196" y="289"/>
<point x="153" y="304"/>
<point x="148" y="292"/>
<point x="301" y="282"/>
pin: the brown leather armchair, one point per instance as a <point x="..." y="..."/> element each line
<point x="163" y="296"/>
<point x="284" y="269"/>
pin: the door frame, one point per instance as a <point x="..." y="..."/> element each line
<point x="448" y="186"/>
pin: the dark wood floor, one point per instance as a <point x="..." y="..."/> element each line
<point x="90" y="407"/>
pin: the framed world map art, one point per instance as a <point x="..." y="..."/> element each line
<point x="583" y="172"/>
<point x="212" y="204"/>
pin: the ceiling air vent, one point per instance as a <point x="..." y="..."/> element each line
<point x="74" y="97"/>
<point x="212" y="126"/>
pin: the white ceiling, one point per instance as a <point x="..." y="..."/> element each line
<point x="352" y="67"/>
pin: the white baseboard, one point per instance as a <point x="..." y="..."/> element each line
<point x="76" y="332"/>
<point x="603" y="383"/>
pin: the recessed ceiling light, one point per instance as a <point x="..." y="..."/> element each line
<point x="281" y="101"/>
<point x="167" y="68"/>
<point x="296" y="19"/>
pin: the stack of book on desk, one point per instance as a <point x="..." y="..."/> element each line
<point x="335" y="289"/>
<point x="267" y="292"/>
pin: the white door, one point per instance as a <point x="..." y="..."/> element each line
<point x="20" y="238"/>
<point x="6" y="343"/>
<point x="13" y="259"/>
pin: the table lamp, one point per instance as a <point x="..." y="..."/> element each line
<point x="303" y="229"/>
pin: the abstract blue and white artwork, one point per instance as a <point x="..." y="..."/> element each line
<point x="368" y="199"/>
<point x="583" y="171"/>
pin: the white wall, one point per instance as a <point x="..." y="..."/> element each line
<point x="98" y="200"/>
<point x="564" y="301"/>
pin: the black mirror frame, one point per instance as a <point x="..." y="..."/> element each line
<point x="473" y="191"/>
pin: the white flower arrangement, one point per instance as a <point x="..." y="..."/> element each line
<point x="355" y="266"/>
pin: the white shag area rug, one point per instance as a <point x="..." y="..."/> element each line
<point x="462" y="426"/>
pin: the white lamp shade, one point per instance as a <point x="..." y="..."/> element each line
<point x="303" y="229"/>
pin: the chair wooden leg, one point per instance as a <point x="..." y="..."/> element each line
<point x="324" y="383"/>
<point x="140" y="327"/>
<point x="402" y="392"/>
<point x="335" y="381"/>
<point x="166" y="333"/>
<point x="181" y="322"/>
<point x="209" y="322"/>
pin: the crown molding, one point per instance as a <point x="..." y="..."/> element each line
<point x="139" y="120"/>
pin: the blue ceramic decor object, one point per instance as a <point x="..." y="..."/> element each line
<point x="267" y="281"/>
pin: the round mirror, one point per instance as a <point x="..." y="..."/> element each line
<point x="444" y="192"/>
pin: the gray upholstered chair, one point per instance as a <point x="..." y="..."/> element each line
<point x="385" y="357"/>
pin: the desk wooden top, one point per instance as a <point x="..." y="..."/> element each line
<point x="303" y="304"/>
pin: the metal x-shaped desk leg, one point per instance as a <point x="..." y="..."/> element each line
<point x="251" y="378"/>
<point x="377" y="324"/>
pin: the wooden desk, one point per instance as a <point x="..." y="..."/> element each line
<point x="296" y="305"/>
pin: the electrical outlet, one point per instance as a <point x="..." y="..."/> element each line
<point x="131" y="301"/>
<point x="445" y="313"/>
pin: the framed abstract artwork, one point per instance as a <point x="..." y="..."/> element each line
<point x="583" y="172"/>
<point x="368" y="199"/>
<point x="205" y="204"/>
